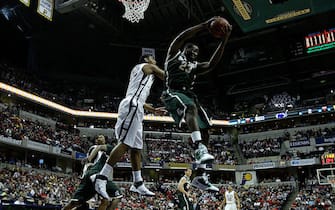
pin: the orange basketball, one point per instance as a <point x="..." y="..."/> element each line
<point x="217" y="27"/>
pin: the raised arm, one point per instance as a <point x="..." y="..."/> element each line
<point x="206" y="67"/>
<point x="188" y="33"/>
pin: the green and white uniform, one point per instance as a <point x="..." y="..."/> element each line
<point x="180" y="75"/>
<point x="85" y="190"/>
<point x="184" y="202"/>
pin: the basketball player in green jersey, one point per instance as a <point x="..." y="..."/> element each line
<point x="86" y="191"/>
<point x="181" y="69"/>
<point x="183" y="191"/>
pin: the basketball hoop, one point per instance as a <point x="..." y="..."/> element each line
<point x="135" y="9"/>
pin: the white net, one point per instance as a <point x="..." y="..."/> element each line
<point x="135" y="9"/>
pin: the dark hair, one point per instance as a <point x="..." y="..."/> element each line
<point x="189" y="44"/>
<point x="144" y="56"/>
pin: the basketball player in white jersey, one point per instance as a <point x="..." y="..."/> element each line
<point x="129" y="129"/>
<point x="230" y="200"/>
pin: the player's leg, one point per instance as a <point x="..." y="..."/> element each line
<point x="122" y="129"/>
<point x="113" y="204"/>
<point x="108" y="205"/>
<point x="183" y="201"/>
<point x="201" y="153"/>
<point x="82" y="194"/>
<point x="136" y="164"/>
<point x="100" y="179"/>
<point x="138" y="185"/>
<point x="182" y="106"/>
<point x="114" y="193"/>
<point x="72" y="205"/>
<point x="201" y="180"/>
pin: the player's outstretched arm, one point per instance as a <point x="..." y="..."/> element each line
<point x="188" y="33"/>
<point x="205" y="67"/>
<point x="156" y="110"/>
<point x="153" y="69"/>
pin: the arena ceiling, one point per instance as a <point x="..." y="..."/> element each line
<point x="94" y="37"/>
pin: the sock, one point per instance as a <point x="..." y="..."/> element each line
<point x="196" y="136"/>
<point x="137" y="177"/>
<point x="106" y="170"/>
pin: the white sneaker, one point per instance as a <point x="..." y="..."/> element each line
<point x="142" y="190"/>
<point x="202" y="183"/>
<point x="100" y="182"/>
<point x="202" y="156"/>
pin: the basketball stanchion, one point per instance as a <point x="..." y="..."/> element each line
<point x="134" y="9"/>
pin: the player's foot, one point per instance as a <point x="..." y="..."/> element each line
<point x="100" y="182"/>
<point x="202" y="156"/>
<point x="141" y="189"/>
<point x="202" y="183"/>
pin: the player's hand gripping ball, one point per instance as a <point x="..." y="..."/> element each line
<point x="219" y="26"/>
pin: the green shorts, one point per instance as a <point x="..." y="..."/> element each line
<point x="176" y="102"/>
<point x="184" y="202"/>
<point x="86" y="191"/>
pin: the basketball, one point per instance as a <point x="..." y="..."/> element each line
<point x="217" y="27"/>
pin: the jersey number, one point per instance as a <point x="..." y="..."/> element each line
<point x="185" y="67"/>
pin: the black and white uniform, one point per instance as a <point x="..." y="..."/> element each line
<point x="128" y="128"/>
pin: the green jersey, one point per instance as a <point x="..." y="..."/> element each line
<point x="180" y="73"/>
<point x="100" y="160"/>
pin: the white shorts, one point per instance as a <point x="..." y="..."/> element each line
<point x="230" y="206"/>
<point x="129" y="128"/>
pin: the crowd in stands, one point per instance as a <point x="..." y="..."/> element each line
<point x="78" y="97"/>
<point x="15" y="127"/>
<point x="314" y="196"/>
<point x="21" y="186"/>
<point x="42" y="188"/>
<point x="261" y="148"/>
<point x="264" y="197"/>
<point x="315" y="133"/>
<point x="167" y="149"/>
<point x="159" y="150"/>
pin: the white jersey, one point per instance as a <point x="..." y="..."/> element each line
<point x="129" y="128"/>
<point x="139" y="85"/>
<point x="230" y="197"/>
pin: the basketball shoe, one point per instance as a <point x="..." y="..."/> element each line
<point x="202" y="156"/>
<point x="100" y="182"/>
<point x="141" y="189"/>
<point x="203" y="183"/>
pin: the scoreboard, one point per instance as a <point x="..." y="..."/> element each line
<point x="327" y="158"/>
<point x="321" y="40"/>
